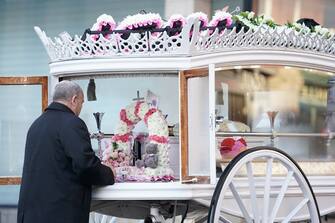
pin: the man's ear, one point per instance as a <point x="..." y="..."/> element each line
<point x="74" y="98"/>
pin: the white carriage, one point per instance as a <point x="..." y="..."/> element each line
<point x="205" y="80"/>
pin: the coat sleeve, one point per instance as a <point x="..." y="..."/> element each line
<point x="75" y="139"/>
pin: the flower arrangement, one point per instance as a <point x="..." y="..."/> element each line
<point x="115" y="157"/>
<point x="146" y="21"/>
<point x="309" y="27"/>
<point x="104" y="23"/>
<point x="221" y="20"/>
<point x="176" y="22"/>
<point x="146" y="25"/>
<point x="250" y="20"/>
<point x="118" y="153"/>
<point x="231" y="147"/>
<point x="202" y="18"/>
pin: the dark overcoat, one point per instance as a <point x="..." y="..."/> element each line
<point x="59" y="169"/>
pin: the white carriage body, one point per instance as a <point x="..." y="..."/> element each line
<point x="185" y="57"/>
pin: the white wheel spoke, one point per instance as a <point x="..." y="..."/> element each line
<point x="267" y="188"/>
<point x="263" y="199"/>
<point x="252" y="190"/>
<point x="295" y="210"/>
<point x="223" y="220"/>
<point x="240" y="203"/>
<point x="281" y="195"/>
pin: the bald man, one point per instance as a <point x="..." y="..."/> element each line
<point x="60" y="166"/>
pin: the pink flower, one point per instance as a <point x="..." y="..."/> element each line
<point x="115" y="155"/>
<point x="122" y="138"/>
<point x="124" y="118"/>
<point x="159" y="139"/>
<point x="122" y="154"/>
<point x="104" y="23"/>
<point x="201" y="16"/>
<point x="230" y="147"/>
<point x="148" y="114"/>
<point x="115" y="163"/>
<point x="221" y="16"/>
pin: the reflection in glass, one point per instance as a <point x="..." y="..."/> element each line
<point x="297" y="96"/>
<point x="198" y="127"/>
<point x="20" y="106"/>
<point x="115" y="93"/>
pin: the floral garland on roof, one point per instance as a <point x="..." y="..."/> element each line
<point x="249" y="20"/>
<point x="221" y="19"/>
<point x="141" y="21"/>
<point x="104" y="23"/>
<point x="175" y="22"/>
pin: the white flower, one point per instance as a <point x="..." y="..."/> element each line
<point x="130" y="111"/>
<point x="219" y="16"/>
<point x="201" y="16"/>
<point x="175" y="18"/>
<point x="267" y="19"/>
<point x="323" y="31"/>
<point x="141" y="20"/>
<point x="121" y="128"/>
<point x="144" y="108"/>
<point x="104" y="19"/>
<point x="251" y="15"/>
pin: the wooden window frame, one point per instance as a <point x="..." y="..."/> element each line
<point x="183" y="78"/>
<point x="37" y="80"/>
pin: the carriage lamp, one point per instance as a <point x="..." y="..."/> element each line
<point x="91" y="96"/>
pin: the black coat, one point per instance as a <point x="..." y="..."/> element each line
<point x="59" y="169"/>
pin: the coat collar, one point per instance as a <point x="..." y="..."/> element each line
<point x="59" y="107"/>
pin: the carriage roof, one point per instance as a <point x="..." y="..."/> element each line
<point x="263" y="45"/>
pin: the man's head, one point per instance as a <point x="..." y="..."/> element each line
<point x="69" y="94"/>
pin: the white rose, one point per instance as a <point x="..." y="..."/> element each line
<point x="324" y="31"/>
<point x="251" y="15"/>
<point x="267" y="18"/>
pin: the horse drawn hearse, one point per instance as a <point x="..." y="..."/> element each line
<point x="213" y="91"/>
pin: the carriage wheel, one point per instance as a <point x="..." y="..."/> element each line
<point x="262" y="203"/>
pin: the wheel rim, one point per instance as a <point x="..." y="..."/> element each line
<point x="264" y="208"/>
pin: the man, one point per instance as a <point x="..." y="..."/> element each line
<point x="60" y="166"/>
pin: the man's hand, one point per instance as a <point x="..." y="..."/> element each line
<point x="114" y="172"/>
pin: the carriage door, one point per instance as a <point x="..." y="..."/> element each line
<point x="22" y="100"/>
<point x="197" y="125"/>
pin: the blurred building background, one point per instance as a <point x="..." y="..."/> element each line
<point x="22" y="54"/>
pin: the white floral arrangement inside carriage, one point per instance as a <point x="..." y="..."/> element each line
<point x="154" y="163"/>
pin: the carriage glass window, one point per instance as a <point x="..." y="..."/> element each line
<point x="21" y="105"/>
<point x="284" y="107"/>
<point x="128" y="107"/>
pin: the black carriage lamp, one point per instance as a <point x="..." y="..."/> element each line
<point x="91" y="96"/>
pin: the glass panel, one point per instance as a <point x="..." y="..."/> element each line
<point x="20" y="106"/>
<point x="198" y="126"/>
<point x="114" y="93"/>
<point x="261" y="100"/>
